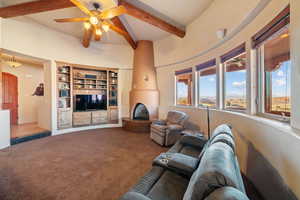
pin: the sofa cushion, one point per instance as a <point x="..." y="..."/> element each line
<point x="195" y="141"/>
<point x="182" y="147"/>
<point x="176" y="117"/>
<point x="170" y="186"/>
<point x="190" y="151"/>
<point x="225" y="138"/>
<point x="227" y="193"/>
<point x="217" y="168"/>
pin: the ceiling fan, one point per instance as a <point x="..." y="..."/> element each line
<point x="97" y="21"/>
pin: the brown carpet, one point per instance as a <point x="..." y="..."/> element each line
<point x="99" y="164"/>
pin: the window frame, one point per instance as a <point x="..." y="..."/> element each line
<point x="192" y="90"/>
<point x="223" y="66"/>
<point x="261" y="89"/>
<point x="198" y="88"/>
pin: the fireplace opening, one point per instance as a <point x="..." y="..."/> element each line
<point x="140" y="112"/>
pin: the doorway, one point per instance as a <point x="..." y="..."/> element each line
<point x="22" y="89"/>
<point x="10" y="96"/>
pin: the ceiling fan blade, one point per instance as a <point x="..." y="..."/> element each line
<point x="79" y="19"/>
<point x="116" y="29"/>
<point x="82" y="7"/>
<point x="114" y="12"/>
<point x="87" y="37"/>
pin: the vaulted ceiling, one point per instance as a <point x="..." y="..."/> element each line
<point x="176" y="12"/>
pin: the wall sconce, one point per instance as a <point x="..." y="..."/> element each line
<point x="221" y="33"/>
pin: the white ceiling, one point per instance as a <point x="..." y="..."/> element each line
<point x="176" y="12"/>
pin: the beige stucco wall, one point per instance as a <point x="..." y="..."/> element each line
<point x="29" y="77"/>
<point x="267" y="150"/>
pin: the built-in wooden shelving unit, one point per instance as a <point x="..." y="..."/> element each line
<point x="64" y="103"/>
<point x="79" y="80"/>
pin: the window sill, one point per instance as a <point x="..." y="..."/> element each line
<point x="184" y="106"/>
<point x="235" y="110"/>
<point x="278" y="118"/>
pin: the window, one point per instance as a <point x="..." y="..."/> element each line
<point x="273" y="47"/>
<point x="235" y="76"/>
<point x="184" y="84"/>
<point x="207" y="84"/>
<point x="276" y="73"/>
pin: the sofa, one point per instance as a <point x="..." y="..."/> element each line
<point x="194" y="169"/>
<point x="167" y="132"/>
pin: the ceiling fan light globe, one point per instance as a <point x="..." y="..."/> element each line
<point x="105" y="27"/>
<point x="94" y="20"/>
<point x="98" y="32"/>
<point x="87" y="25"/>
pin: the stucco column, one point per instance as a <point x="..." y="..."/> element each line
<point x="144" y="84"/>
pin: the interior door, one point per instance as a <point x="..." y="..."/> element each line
<point x="10" y="95"/>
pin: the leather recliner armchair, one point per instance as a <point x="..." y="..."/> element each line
<point x="167" y="132"/>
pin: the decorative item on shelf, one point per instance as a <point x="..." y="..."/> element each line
<point x="113" y="102"/>
<point x="78" y="75"/>
<point x="62" y="103"/>
<point x="63" y="78"/>
<point x="64" y="93"/>
<point x="113" y="74"/>
<point x="64" y="86"/>
<point x="78" y="81"/>
<point x="78" y="86"/>
<point x="64" y="69"/>
<point x="113" y="87"/>
<point x="102" y="76"/>
<point x="113" y="93"/>
<point x="114" y="81"/>
<point x="91" y="76"/>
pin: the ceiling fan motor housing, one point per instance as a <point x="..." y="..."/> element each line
<point x="96" y="5"/>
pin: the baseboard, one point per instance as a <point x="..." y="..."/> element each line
<point x="84" y="128"/>
<point x="31" y="137"/>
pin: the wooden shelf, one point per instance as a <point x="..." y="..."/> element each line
<point x="92" y="79"/>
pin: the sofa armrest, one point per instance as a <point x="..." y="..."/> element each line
<point x="177" y="162"/>
<point x="175" y="127"/>
<point x="134" y="196"/>
<point x="193" y="141"/>
<point x="160" y="122"/>
<point x="173" y="134"/>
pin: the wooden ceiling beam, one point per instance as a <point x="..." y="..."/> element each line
<point x="118" y="23"/>
<point x="34" y="7"/>
<point x="148" y="18"/>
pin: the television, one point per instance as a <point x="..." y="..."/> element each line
<point x="90" y="102"/>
